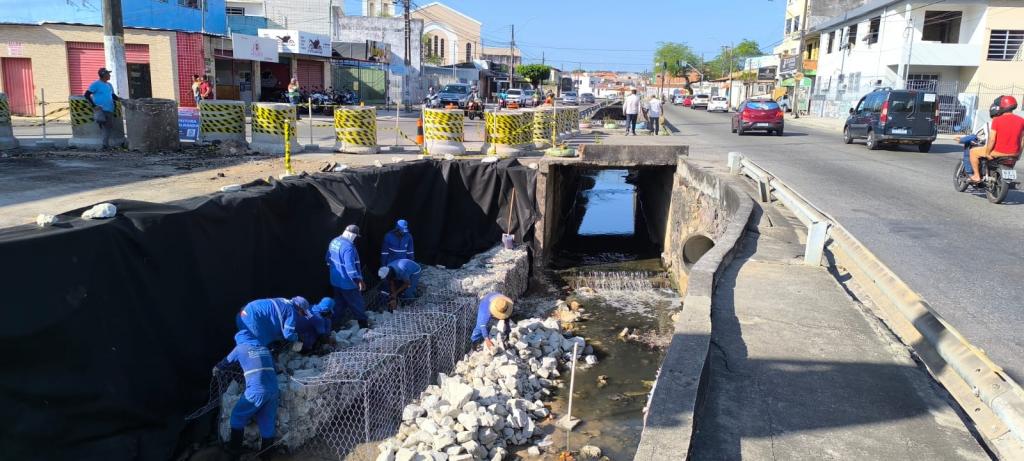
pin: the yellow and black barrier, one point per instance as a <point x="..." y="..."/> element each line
<point x="574" y="120"/>
<point x="269" y="123"/>
<point x="221" y="121"/>
<point x="509" y="133"/>
<point x="356" y="129"/>
<point x="86" y="133"/>
<point x="7" y="139"/>
<point x="543" y="123"/>
<point x="444" y="131"/>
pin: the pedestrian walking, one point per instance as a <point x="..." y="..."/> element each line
<point x="631" y="108"/>
<point x="205" y="88"/>
<point x="784" y="102"/>
<point x="196" y="95"/>
<point x="654" y="116"/>
<point x="294" y="94"/>
<point x="102" y="97"/>
<point x="347" y="277"/>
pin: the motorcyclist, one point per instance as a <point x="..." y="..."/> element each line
<point x="429" y="100"/>
<point x="1006" y="136"/>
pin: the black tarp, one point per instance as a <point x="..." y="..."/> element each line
<point x="111" y="327"/>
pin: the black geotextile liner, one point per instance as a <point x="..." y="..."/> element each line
<point x="111" y="327"/>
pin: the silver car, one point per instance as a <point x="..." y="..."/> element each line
<point x="587" y="98"/>
<point x="569" y="97"/>
<point x="454" y="93"/>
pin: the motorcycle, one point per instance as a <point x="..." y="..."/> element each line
<point x="997" y="174"/>
<point x="432" y="101"/>
<point x="474" y="109"/>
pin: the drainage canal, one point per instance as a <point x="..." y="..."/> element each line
<point x="607" y="268"/>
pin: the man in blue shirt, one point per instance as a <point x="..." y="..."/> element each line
<point x="315" y="324"/>
<point x="101" y="95"/>
<point x="397" y="244"/>
<point x="403" y="278"/>
<point x="493" y="305"/>
<point x="260" y="323"/>
<point x="347" y="277"/>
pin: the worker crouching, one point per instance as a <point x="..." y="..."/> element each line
<point x="401" y="279"/>
<point x="493" y="306"/>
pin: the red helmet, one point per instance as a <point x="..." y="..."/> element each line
<point x="1002" y="105"/>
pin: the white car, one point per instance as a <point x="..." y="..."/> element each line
<point x="701" y="101"/>
<point x="718" y="103"/>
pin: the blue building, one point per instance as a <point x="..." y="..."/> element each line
<point x="177" y="15"/>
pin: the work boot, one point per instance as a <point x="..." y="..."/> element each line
<point x="235" y="444"/>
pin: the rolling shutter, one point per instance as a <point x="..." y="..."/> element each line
<point x="85" y="58"/>
<point x="310" y="74"/>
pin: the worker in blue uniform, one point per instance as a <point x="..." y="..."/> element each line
<point x="397" y="244"/>
<point x="315" y="325"/>
<point x="260" y="323"/>
<point x="347" y="277"/>
<point x="492" y="306"/>
<point x="402" y="278"/>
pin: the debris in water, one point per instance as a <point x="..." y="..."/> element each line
<point x="602" y="381"/>
<point x="624" y="333"/>
<point x="590" y="452"/>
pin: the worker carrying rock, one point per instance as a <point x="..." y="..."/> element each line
<point x="492" y="306"/>
<point x="260" y="323"/>
<point x="397" y="244"/>
<point x="314" y="325"/>
<point x="347" y="277"/>
<point x="401" y="279"/>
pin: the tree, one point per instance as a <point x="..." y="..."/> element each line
<point x="732" y="59"/>
<point x="673" y="55"/>
<point x="425" y="49"/>
<point x="535" y="73"/>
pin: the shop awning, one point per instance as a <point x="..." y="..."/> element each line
<point x="806" y="83"/>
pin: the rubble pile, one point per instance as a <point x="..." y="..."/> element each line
<point x="498" y="269"/>
<point x="491" y="403"/>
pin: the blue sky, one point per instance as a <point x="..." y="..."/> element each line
<point x="617" y="35"/>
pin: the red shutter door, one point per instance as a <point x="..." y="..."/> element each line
<point x="18" y="85"/>
<point x="310" y="74"/>
<point x="136" y="54"/>
<point x="84" y="59"/>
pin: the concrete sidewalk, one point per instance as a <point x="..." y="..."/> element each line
<point x="800" y="371"/>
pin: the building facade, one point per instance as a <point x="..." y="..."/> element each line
<point x="449" y="36"/>
<point x="177" y="15"/>
<point x="502" y="55"/>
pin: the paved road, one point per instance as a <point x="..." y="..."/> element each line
<point x="963" y="254"/>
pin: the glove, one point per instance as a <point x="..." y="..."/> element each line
<point x="297" y="346"/>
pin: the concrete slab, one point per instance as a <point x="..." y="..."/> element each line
<point x="799" y="371"/>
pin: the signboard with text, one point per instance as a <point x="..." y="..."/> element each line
<point x="788" y="65"/>
<point x="253" y="48"/>
<point x="298" y="42"/>
<point x="766" y="73"/>
<point x="188" y="123"/>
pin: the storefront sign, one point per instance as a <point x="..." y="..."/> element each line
<point x="788" y="65"/>
<point x="766" y="73"/>
<point x="14" y="49"/>
<point x="253" y="48"/>
<point x="298" y="42"/>
<point x="188" y="123"/>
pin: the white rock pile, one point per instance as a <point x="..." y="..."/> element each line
<point x="498" y="269"/>
<point x="491" y="403"/>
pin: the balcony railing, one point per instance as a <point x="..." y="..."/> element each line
<point x="246" y="25"/>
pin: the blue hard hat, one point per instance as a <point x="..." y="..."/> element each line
<point x="300" y="302"/>
<point x="403" y="225"/>
<point x="325" y="306"/>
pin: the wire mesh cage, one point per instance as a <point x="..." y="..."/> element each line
<point x="440" y="327"/>
<point x="414" y="350"/>
<point x="461" y="307"/>
<point x="219" y="384"/>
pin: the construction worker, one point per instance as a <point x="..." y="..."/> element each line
<point x="260" y="323"/>
<point x="492" y="306"/>
<point x="403" y="278"/>
<point x="397" y="244"/>
<point x="315" y="324"/>
<point x="347" y="277"/>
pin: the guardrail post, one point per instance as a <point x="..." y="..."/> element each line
<point x="735" y="159"/>
<point x="817" y="233"/>
<point x="764" y="191"/>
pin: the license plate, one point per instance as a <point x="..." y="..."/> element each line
<point x="1009" y="175"/>
<point x="764" y="125"/>
<point x="899" y="131"/>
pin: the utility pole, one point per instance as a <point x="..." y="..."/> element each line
<point x="798" y="82"/>
<point x="113" y="46"/>
<point x="408" y="34"/>
<point x="512" y="58"/>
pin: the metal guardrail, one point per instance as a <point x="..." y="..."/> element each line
<point x="985" y="381"/>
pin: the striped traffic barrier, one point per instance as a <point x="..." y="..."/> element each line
<point x="269" y="121"/>
<point x="508" y="133"/>
<point x="221" y="121"/>
<point x="543" y="123"/>
<point x="443" y="131"/>
<point x="86" y="133"/>
<point x="574" y="120"/>
<point x="356" y="129"/>
<point x="7" y="139"/>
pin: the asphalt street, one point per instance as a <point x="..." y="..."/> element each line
<point x="962" y="253"/>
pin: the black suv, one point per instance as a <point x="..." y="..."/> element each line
<point x="887" y="116"/>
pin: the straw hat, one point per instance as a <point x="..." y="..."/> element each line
<point x="501" y="307"/>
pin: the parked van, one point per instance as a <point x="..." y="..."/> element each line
<point x="887" y="116"/>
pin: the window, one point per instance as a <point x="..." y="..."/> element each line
<point x="789" y="25"/>
<point x="442" y="48"/>
<point x="189" y="3"/>
<point x="941" y="26"/>
<point x="235" y="10"/>
<point x="469" y="52"/>
<point x="1005" y="45"/>
<point x="796" y="23"/>
<point x="851" y="36"/>
<point x="831" y="40"/>
<point x="902" y="103"/>
<point x="873" y="28"/>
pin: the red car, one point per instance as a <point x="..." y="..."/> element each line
<point x="687" y="101"/>
<point x="758" y="115"/>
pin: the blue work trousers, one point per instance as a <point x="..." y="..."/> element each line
<point x="348" y="300"/>
<point x="261" y="393"/>
<point x="264" y="410"/>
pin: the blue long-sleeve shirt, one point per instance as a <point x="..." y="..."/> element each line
<point x="311" y="327"/>
<point x="396" y="247"/>
<point x="483" y="318"/>
<point x="405" y="269"/>
<point x="343" y="261"/>
<point x="265" y="321"/>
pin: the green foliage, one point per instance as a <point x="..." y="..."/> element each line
<point x="733" y="58"/>
<point x="673" y="55"/>
<point x="535" y="73"/>
<point x="427" y="57"/>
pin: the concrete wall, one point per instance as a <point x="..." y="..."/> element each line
<point x="702" y="204"/>
<point x="306" y="15"/>
<point x="1002" y="14"/>
<point x="356" y="29"/>
<point x="46" y="46"/>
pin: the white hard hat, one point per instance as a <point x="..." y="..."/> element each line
<point x="383" y="272"/>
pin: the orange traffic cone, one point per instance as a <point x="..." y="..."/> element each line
<point x="419" y="131"/>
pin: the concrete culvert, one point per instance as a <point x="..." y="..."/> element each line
<point x="695" y="248"/>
